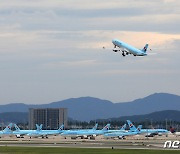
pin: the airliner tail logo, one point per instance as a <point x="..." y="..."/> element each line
<point x="131" y="125"/>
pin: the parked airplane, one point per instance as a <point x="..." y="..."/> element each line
<point x="94" y="128"/>
<point x="7" y="131"/>
<point x="148" y="132"/>
<point x="20" y="133"/>
<point x="46" y="133"/>
<point x="85" y="133"/>
<point x="127" y="49"/>
<point x="176" y="134"/>
<point x="121" y="135"/>
<point x="122" y="129"/>
<point x="173" y="131"/>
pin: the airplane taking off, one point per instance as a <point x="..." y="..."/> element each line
<point x="127" y="49"/>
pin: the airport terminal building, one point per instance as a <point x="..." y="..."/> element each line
<point x="51" y="118"/>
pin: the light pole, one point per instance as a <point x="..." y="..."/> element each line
<point x="147" y="128"/>
<point x="50" y="123"/>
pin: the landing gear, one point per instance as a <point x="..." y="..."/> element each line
<point x="123" y="54"/>
<point x="115" y="50"/>
<point x="92" y="138"/>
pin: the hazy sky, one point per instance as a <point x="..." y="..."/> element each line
<point x="51" y="50"/>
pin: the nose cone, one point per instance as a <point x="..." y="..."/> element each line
<point x="113" y="41"/>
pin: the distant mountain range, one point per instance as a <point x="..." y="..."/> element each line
<point x="22" y="117"/>
<point x="15" y="117"/>
<point x="89" y="108"/>
<point x="172" y="115"/>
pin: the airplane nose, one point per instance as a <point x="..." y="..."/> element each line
<point x="113" y="41"/>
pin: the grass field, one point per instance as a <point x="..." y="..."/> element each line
<point x="43" y="150"/>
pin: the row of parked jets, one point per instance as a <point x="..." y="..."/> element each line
<point x="83" y="133"/>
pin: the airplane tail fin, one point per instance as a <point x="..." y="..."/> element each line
<point x="123" y="127"/>
<point x="38" y="127"/>
<point x="16" y="127"/>
<point x="145" y="48"/>
<point x="106" y="127"/>
<point x="139" y="128"/>
<point x="131" y="126"/>
<point x="95" y="127"/>
<point x="8" y="127"/>
<point x="61" y="127"/>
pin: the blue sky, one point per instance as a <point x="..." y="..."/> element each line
<point x="52" y="49"/>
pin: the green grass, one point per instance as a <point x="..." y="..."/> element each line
<point x="44" y="150"/>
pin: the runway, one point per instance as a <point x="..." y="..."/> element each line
<point x="139" y="142"/>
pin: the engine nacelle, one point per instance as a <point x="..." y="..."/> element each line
<point x="19" y="136"/>
<point x="85" y="136"/>
<point x="121" y="137"/>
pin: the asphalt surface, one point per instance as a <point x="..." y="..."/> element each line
<point x="136" y="142"/>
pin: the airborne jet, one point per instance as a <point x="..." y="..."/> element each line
<point x="127" y="49"/>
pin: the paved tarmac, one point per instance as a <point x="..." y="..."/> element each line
<point x="136" y="142"/>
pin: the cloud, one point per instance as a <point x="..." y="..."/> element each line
<point x="157" y="16"/>
<point x="48" y="47"/>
